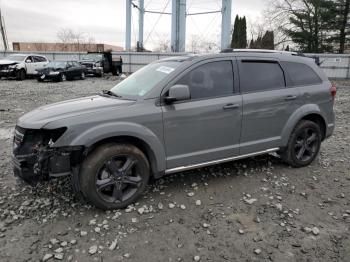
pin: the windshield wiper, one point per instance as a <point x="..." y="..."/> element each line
<point x="110" y="93"/>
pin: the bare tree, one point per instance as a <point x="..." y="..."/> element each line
<point x="68" y="36"/>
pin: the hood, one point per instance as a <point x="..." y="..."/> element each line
<point x="41" y="116"/>
<point x="7" y="62"/>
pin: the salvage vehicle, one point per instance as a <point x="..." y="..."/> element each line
<point x="178" y="114"/>
<point x="61" y="71"/>
<point x="98" y="63"/>
<point x="21" y="66"/>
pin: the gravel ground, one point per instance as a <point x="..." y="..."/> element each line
<point x="252" y="210"/>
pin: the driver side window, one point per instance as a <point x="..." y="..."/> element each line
<point x="210" y="80"/>
<point x="29" y="59"/>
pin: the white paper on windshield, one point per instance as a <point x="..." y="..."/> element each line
<point x="165" y="69"/>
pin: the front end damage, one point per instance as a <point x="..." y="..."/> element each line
<point x="35" y="158"/>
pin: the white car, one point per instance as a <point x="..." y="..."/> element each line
<point x="20" y="65"/>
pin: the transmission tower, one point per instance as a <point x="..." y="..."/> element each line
<point x="178" y="23"/>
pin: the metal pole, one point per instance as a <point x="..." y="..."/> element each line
<point x="128" y="26"/>
<point x="178" y="26"/>
<point x="226" y="23"/>
<point x="141" y="22"/>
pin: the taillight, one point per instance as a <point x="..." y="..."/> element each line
<point x="333" y="91"/>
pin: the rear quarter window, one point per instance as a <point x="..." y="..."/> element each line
<point x="301" y="74"/>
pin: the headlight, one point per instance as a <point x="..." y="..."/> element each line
<point x="12" y="66"/>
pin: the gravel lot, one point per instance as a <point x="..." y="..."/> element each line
<point x="252" y="210"/>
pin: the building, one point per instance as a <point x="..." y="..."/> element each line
<point x="63" y="47"/>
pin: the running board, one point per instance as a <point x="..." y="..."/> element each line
<point x="215" y="162"/>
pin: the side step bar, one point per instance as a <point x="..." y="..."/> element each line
<point x="215" y="162"/>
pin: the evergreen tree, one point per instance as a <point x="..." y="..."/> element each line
<point x="239" y="33"/>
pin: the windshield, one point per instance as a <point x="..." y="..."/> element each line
<point x="56" y="64"/>
<point x="143" y="80"/>
<point x="17" y="58"/>
<point x="93" y="57"/>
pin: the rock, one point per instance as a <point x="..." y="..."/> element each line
<point x="113" y="245"/>
<point x="279" y="206"/>
<point x="196" y="258"/>
<point x="92" y="222"/>
<point x="73" y="241"/>
<point x="257" y="251"/>
<point x="198" y="203"/>
<point x="134" y="220"/>
<point x="307" y="230"/>
<point x="54" y="241"/>
<point x="141" y="210"/>
<point x="64" y="243"/>
<point x="97" y="229"/>
<point x="205" y="225"/>
<point x="171" y="205"/>
<point x="127" y="255"/>
<point x="241" y="231"/>
<point x="83" y="233"/>
<point x="93" y="249"/>
<point x="59" y="256"/>
<point x="160" y="206"/>
<point x="59" y="250"/>
<point x="183" y="207"/>
<point x="47" y="257"/>
<point x="315" y="231"/>
<point x="190" y="194"/>
<point x="250" y="201"/>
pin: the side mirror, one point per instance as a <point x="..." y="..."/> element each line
<point x="28" y="61"/>
<point x="178" y="93"/>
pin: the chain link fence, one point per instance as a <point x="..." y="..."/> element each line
<point x="336" y="66"/>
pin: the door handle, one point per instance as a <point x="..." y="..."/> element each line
<point x="290" y="97"/>
<point x="231" y="106"/>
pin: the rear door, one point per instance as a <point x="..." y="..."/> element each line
<point x="267" y="103"/>
<point x="207" y="127"/>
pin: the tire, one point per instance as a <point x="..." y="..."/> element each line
<point x="303" y="145"/>
<point x="82" y="76"/>
<point x="62" y="78"/>
<point x="104" y="183"/>
<point x="21" y="75"/>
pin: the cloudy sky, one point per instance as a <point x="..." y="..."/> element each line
<point x="104" y="20"/>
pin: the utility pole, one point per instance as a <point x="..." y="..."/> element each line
<point x="3" y="32"/>
<point x="141" y="23"/>
<point x="128" y="26"/>
<point x="226" y="23"/>
<point x="178" y="26"/>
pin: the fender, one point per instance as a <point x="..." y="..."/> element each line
<point x="108" y="130"/>
<point x="299" y="114"/>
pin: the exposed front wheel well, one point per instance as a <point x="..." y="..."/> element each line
<point x="317" y="119"/>
<point x="140" y="144"/>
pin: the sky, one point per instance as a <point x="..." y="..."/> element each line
<point x="104" y="20"/>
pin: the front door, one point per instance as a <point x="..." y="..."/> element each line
<point x="206" y="127"/>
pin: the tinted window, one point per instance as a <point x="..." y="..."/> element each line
<point x="259" y="76"/>
<point x="210" y="80"/>
<point x="39" y="59"/>
<point x="301" y="74"/>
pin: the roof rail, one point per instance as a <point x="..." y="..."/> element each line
<point x="232" y="50"/>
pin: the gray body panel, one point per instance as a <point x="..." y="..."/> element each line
<point x="190" y="133"/>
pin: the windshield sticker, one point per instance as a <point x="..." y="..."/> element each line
<point x="165" y="69"/>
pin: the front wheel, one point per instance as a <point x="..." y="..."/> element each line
<point x="21" y="75"/>
<point x="303" y="145"/>
<point x="114" y="175"/>
<point x="82" y="75"/>
<point x="62" y="77"/>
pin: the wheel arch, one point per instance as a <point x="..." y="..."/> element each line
<point x="135" y="141"/>
<point x="308" y="112"/>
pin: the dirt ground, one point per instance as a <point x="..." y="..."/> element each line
<point x="252" y="210"/>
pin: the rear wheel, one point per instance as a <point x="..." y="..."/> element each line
<point x="114" y="175"/>
<point x="21" y="75"/>
<point x="303" y="145"/>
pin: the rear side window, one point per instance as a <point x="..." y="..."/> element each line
<point x="301" y="74"/>
<point x="210" y="80"/>
<point x="261" y="75"/>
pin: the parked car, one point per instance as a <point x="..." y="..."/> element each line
<point x="98" y="63"/>
<point x="21" y="66"/>
<point x="178" y="114"/>
<point x="61" y="71"/>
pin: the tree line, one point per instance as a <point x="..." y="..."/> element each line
<point x="309" y="26"/>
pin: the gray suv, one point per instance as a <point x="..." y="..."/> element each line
<point x="178" y="114"/>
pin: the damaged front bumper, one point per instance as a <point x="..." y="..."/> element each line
<point x="35" y="159"/>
